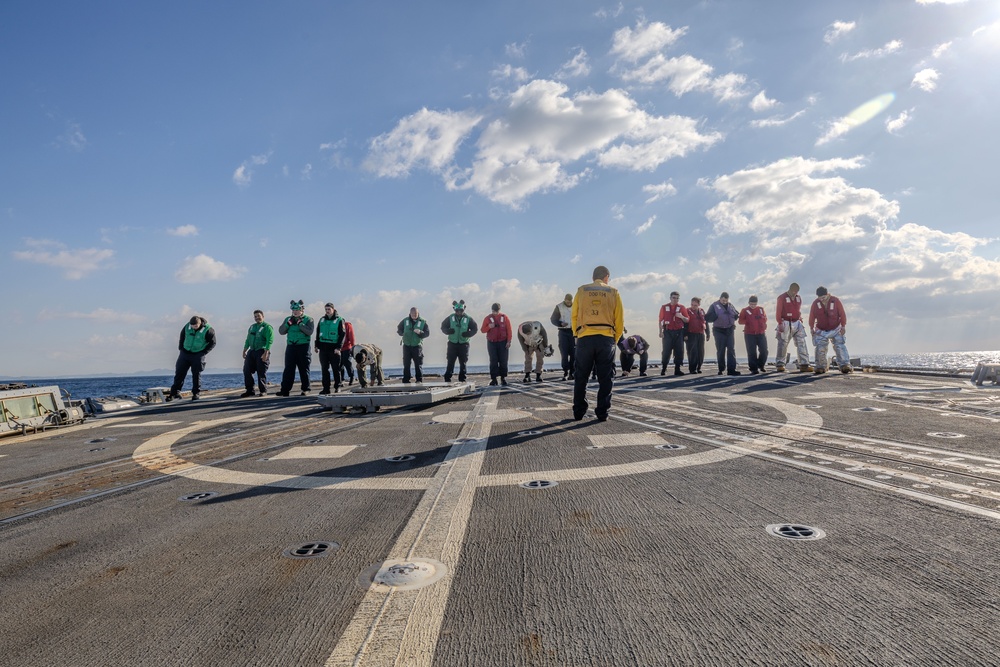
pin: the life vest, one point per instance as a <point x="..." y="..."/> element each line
<point x="697" y="322"/>
<point x="295" y="335"/>
<point x="329" y="330"/>
<point x="460" y="325"/>
<point x="409" y="324"/>
<point x="827" y="318"/>
<point x="789" y="308"/>
<point x="754" y="320"/>
<point x="499" y="331"/>
<point x="596" y="311"/>
<point x="667" y="319"/>
<point x="259" y="336"/>
<point x="565" y="314"/>
<point x="194" y="340"/>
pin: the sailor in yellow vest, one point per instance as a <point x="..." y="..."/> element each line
<point x="197" y="340"/>
<point x="598" y="323"/>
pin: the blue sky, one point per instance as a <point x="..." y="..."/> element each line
<point x="163" y="160"/>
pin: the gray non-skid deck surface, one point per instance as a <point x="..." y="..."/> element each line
<point x="672" y="567"/>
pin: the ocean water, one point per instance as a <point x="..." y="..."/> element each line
<point x="134" y="385"/>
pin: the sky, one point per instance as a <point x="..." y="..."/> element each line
<point x="160" y="160"/>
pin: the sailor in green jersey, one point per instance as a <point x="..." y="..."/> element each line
<point x="298" y="328"/>
<point x="459" y="328"/>
<point x="257" y="354"/>
<point x="413" y="330"/>
<point x="331" y="332"/>
<point x="197" y="340"/>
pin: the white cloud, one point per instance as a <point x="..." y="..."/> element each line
<point x="941" y="49"/>
<point x="576" y="259"/>
<point x="644" y="226"/>
<point x="659" y="191"/>
<point x="645" y="280"/>
<point x="306" y="172"/>
<point x="941" y="2"/>
<point x="543" y="130"/>
<point x="516" y="74"/>
<point x="101" y="314"/>
<point x="605" y="13"/>
<point x="687" y="74"/>
<point x="776" y="121"/>
<point x="761" y="102"/>
<point x="578" y="66"/>
<point x="426" y="139"/>
<point x="837" y="30"/>
<point x="894" y="125"/>
<point x="136" y="340"/>
<point x="515" y="50"/>
<point x="183" y="230"/>
<point x="75" y="264"/>
<point x="926" y="80"/>
<point x="202" y="268"/>
<point x="244" y="173"/>
<point x="644" y="41"/>
<point x="889" y="48"/>
<point x="73" y="138"/>
<point x="794" y="202"/>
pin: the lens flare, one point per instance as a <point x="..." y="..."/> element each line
<point x="870" y="109"/>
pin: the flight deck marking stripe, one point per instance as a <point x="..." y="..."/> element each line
<point x="759" y="451"/>
<point x="401" y="627"/>
<point x="155" y="454"/>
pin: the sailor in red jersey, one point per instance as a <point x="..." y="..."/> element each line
<point x="499" y="333"/>
<point x="697" y="334"/>
<point x="788" y="312"/>
<point x="673" y="317"/>
<point x="754" y="321"/>
<point x="828" y="323"/>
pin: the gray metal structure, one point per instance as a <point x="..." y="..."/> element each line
<point x="370" y="399"/>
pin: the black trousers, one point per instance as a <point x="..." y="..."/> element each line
<point x="499" y="354"/>
<point x="725" y="348"/>
<point x="329" y="358"/>
<point x="414" y="353"/>
<point x="255" y="364"/>
<point x="297" y="357"/>
<point x="567" y="349"/>
<point x="673" y="342"/>
<point x="696" y="351"/>
<point x="627" y="360"/>
<point x="756" y="351"/>
<point x="346" y="367"/>
<point x="594" y="354"/>
<point x="459" y="352"/>
<point x="193" y="361"/>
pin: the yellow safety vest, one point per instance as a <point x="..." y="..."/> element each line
<point x="597" y="311"/>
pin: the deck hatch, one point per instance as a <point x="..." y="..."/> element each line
<point x="796" y="531"/>
<point x="202" y="495"/>
<point x="539" y="484"/>
<point x="311" y="550"/>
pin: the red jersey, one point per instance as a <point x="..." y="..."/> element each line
<point x="348" y="335"/>
<point x="697" y="322"/>
<point x="829" y="317"/>
<point x="754" y="319"/>
<point x="668" y="319"/>
<point x="789" y="309"/>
